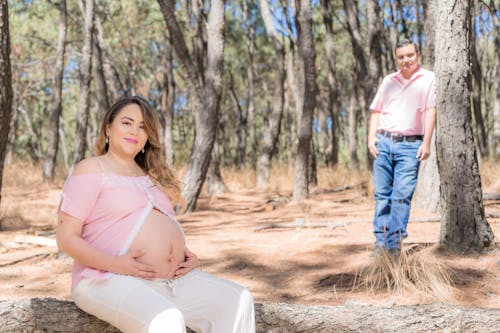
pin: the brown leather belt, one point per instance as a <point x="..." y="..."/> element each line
<point x="400" y="138"/>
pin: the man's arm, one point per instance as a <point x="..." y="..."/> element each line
<point x="425" y="148"/>
<point x="372" y="133"/>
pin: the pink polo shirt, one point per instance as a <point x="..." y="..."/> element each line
<point x="402" y="105"/>
<point x="113" y="209"/>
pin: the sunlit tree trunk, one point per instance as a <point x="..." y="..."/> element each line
<point x="496" y="108"/>
<point x="427" y="192"/>
<point x="215" y="183"/>
<point x="249" y="113"/>
<point x="168" y="99"/>
<point x="463" y="224"/>
<point x="477" y="89"/>
<point x="332" y="157"/>
<point x="80" y="145"/>
<point x="5" y="84"/>
<point x="205" y="89"/>
<point x="56" y="107"/>
<point x="352" y="110"/>
<point x="307" y="89"/>
<point x="271" y="135"/>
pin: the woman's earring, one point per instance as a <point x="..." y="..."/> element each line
<point x="107" y="139"/>
<point x="142" y="150"/>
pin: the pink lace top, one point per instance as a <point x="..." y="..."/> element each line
<point x="113" y="209"/>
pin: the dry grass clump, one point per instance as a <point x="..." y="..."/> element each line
<point x="22" y="173"/>
<point x="415" y="274"/>
<point x="282" y="178"/>
<point x="489" y="175"/>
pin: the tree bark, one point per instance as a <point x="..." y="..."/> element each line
<point x="249" y="116"/>
<point x="205" y="91"/>
<point x="5" y="84"/>
<point x="241" y="115"/>
<point x="427" y="191"/>
<point x="215" y="183"/>
<point x="168" y="99"/>
<point x="332" y="157"/>
<point x="353" y="128"/>
<point x="56" y="107"/>
<point x="271" y="136"/>
<point x="38" y="315"/>
<point x="496" y="108"/>
<point x="477" y="88"/>
<point x="307" y="89"/>
<point x="84" y="100"/>
<point x="463" y="224"/>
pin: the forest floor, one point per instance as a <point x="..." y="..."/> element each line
<point x="307" y="253"/>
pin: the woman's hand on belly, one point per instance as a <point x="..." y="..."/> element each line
<point x="190" y="262"/>
<point x="128" y="264"/>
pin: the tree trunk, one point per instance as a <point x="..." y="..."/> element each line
<point x="168" y="100"/>
<point x="333" y="106"/>
<point x="38" y="315"/>
<point x="215" y="183"/>
<point x="274" y="119"/>
<point x="307" y="89"/>
<point x="427" y="192"/>
<point x="353" y="129"/>
<point x="84" y="101"/>
<point x="477" y="87"/>
<point x="56" y="107"/>
<point x="463" y="224"/>
<point x="241" y="127"/>
<point x="496" y="108"/>
<point x="109" y="75"/>
<point x="250" y="112"/>
<point x="429" y="7"/>
<point x="5" y="84"/>
<point x="101" y="88"/>
<point x="205" y="94"/>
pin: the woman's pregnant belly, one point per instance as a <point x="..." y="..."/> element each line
<point x="162" y="242"/>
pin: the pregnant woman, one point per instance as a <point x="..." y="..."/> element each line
<point x="131" y="264"/>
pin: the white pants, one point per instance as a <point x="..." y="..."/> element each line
<point x="199" y="300"/>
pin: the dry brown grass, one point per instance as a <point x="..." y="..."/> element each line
<point x="416" y="274"/>
<point x="490" y="175"/>
<point x="281" y="179"/>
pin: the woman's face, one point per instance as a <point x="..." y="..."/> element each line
<point x="126" y="133"/>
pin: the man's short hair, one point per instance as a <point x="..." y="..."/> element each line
<point x="405" y="41"/>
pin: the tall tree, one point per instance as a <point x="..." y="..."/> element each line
<point x="463" y="224"/>
<point x="477" y="87"/>
<point x="168" y="98"/>
<point x="5" y="84"/>
<point x="427" y="191"/>
<point x="249" y="114"/>
<point x="495" y="11"/>
<point x="86" y="69"/>
<point x="307" y="89"/>
<point x="205" y="89"/>
<point x="333" y="104"/>
<point x="271" y="135"/>
<point x="56" y="107"/>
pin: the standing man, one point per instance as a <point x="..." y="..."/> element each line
<point x="403" y="114"/>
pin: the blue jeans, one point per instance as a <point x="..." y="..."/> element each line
<point x="395" y="173"/>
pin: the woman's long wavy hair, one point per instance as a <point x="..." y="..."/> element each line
<point x="152" y="161"/>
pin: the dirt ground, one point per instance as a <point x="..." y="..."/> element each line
<point x="308" y="253"/>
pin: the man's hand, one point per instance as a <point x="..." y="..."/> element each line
<point x="191" y="262"/>
<point x="372" y="146"/>
<point x="424" y="151"/>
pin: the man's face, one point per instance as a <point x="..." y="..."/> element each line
<point x="408" y="60"/>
